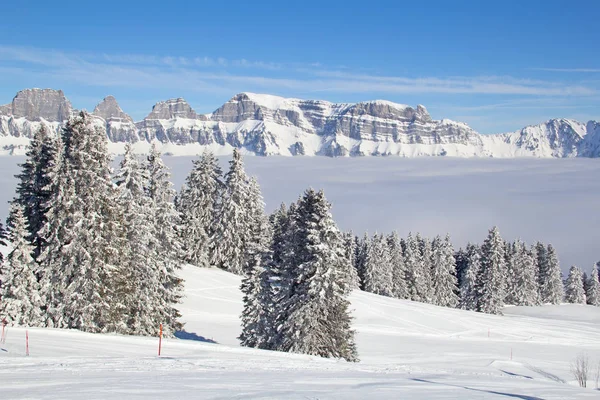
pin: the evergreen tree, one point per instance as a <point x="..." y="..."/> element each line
<point x="426" y="252"/>
<point x="83" y="233"/>
<point x="350" y="246"/>
<point x="593" y="290"/>
<point x="574" y="292"/>
<point x="362" y="249"/>
<point x="417" y="276"/>
<point x="34" y="187"/>
<point x="257" y="326"/>
<point x="3" y="238"/>
<point x="318" y="320"/>
<point x="469" y="295"/>
<point x="460" y="258"/>
<point x="443" y="273"/>
<point x="400" y="287"/>
<point x="21" y="302"/>
<point x="137" y="286"/>
<point x="491" y="282"/>
<point x="165" y="221"/>
<point x="512" y="269"/>
<point x="524" y="287"/>
<point x="550" y="277"/>
<point x="378" y="272"/>
<point x="197" y="204"/>
<point x="232" y="228"/>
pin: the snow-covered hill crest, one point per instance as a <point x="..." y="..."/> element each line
<point x="271" y="125"/>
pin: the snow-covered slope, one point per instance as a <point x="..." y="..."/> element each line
<point x="271" y="125"/>
<point x="408" y="350"/>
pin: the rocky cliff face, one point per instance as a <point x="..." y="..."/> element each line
<point x="270" y="125"/>
<point x="37" y="104"/>
<point x="119" y="125"/>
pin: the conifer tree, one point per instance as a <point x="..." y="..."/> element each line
<point x="362" y="249"/>
<point x="469" y="296"/>
<point x="426" y="252"/>
<point x="550" y="277"/>
<point x="574" y="292"/>
<point x="593" y="289"/>
<point x="168" y="252"/>
<point x="138" y="285"/>
<point x="197" y="204"/>
<point x="318" y="320"/>
<point x="34" y="189"/>
<point x="350" y="246"/>
<point x="400" y="287"/>
<point x="512" y="269"/>
<point x="83" y="233"/>
<point x="416" y="274"/>
<point x="257" y="324"/>
<point x="3" y="238"/>
<point x="21" y="302"/>
<point x="231" y="227"/>
<point x="523" y="270"/>
<point x="378" y="272"/>
<point x="443" y="273"/>
<point x="491" y="282"/>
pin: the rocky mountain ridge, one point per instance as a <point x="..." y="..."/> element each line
<point x="272" y="125"/>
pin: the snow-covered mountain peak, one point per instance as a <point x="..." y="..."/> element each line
<point x="173" y="108"/>
<point x="36" y="104"/>
<point x="109" y="108"/>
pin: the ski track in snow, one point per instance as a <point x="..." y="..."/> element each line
<point x="407" y="350"/>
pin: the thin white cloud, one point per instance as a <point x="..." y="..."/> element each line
<point x="220" y="74"/>
<point x="582" y="70"/>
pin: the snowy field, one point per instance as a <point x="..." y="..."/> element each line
<point x="407" y="350"/>
<point x="554" y="200"/>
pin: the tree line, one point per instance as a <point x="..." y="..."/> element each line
<point x="99" y="250"/>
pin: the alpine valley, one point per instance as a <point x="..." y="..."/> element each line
<point x="270" y="125"/>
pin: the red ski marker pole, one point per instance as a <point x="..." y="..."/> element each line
<point x="159" y="339"/>
<point x="27" y="343"/>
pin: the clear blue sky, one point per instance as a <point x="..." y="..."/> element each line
<point x="496" y="65"/>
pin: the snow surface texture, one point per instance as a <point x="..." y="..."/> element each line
<point x="408" y="350"/>
<point x="554" y="201"/>
<point x="270" y="125"/>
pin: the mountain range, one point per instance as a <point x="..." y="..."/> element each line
<point x="270" y="125"/>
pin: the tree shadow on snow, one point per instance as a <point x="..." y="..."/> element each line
<point x="514" y="374"/>
<point x="183" y="335"/>
<point x="517" y="396"/>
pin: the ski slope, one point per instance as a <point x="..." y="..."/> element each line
<point x="407" y="350"/>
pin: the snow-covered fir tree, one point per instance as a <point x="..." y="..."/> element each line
<point x="550" y="277"/>
<point x="400" y="287"/>
<point x="426" y="251"/>
<point x="165" y="220"/>
<point x="469" y="295"/>
<point x="231" y="226"/>
<point x="318" y="321"/>
<point x="198" y="203"/>
<point x="524" y="287"/>
<point x="83" y="233"/>
<point x="510" y="258"/>
<point x="574" y="292"/>
<point x="257" y="324"/>
<point x="378" y="269"/>
<point x="281" y="270"/>
<point x="138" y="284"/>
<point x="350" y="246"/>
<point x="417" y="275"/>
<point x="3" y="238"/>
<point x="444" y="285"/>
<point x="20" y="292"/>
<point x="491" y="287"/>
<point x="33" y="188"/>
<point x="592" y="293"/>
<point x="362" y="249"/>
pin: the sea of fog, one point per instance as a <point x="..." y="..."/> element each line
<point x="552" y="200"/>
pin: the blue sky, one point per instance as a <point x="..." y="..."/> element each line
<point x="496" y="65"/>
